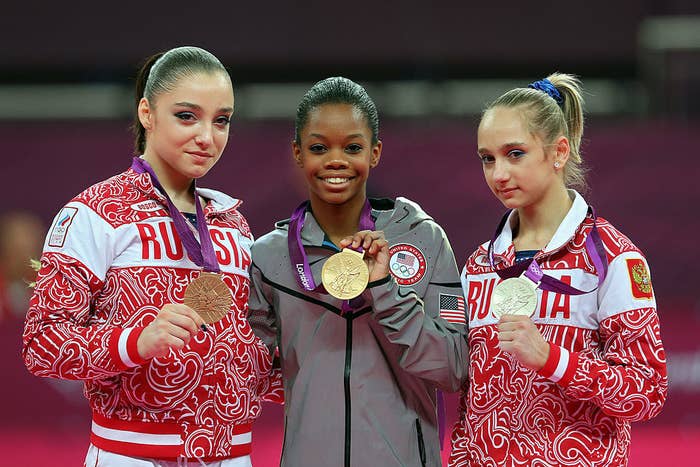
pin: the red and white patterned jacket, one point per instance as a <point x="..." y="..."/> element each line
<point x="606" y="366"/>
<point x="111" y="260"/>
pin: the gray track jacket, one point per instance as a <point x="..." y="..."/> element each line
<point x="360" y="387"/>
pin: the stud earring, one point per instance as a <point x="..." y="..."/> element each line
<point x="557" y="164"/>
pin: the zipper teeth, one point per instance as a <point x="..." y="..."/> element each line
<point x="346" y="384"/>
<point x="421" y="443"/>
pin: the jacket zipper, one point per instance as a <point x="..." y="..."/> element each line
<point x="284" y="440"/>
<point x="346" y="384"/>
<point x="421" y="445"/>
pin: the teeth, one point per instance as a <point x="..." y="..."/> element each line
<point x="336" y="180"/>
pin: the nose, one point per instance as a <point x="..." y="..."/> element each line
<point x="500" y="171"/>
<point x="205" y="136"/>
<point x="335" y="159"/>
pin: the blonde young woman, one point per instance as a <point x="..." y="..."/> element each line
<point x="564" y="341"/>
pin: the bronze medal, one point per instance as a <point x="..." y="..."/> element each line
<point x="209" y="296"/>
<point x="345" y="274"/>
<point x="514" y="296"/>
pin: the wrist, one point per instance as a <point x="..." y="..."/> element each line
<point x="379" y="281"/>
<point x="544" y="352"/>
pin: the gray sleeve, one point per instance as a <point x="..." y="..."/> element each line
<point x="261" y="313"/>
<point x="431" y="347"/>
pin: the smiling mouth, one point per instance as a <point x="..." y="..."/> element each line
<point x="336" y="180"/>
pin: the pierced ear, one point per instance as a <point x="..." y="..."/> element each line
<point x="296" y="153"/>
<point x="563" y="150"/>
<point x="376" y="155"/>
<point x="145" y="114"/>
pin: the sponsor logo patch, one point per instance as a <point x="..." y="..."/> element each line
<point x="407" y="264"/>
<point x="640" y="281"/>
<point x="60" y="228"/>
<point x="147" y="206"/>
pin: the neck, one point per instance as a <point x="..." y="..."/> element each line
<point x="180" y="189"/>
<point x="338" y="221"/>
<point x="538" y="222"/>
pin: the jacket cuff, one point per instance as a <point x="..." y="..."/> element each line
<point x="123" y="347"/>
<point x="379" y="281"/>
<point x="560" y="366"/>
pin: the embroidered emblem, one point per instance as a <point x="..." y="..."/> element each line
<point x="60" y="228"/>
<point x="407" y="264"/>
<point x="147" y="206"/>
<point x="640" y="281"/>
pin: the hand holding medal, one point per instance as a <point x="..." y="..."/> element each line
<point x="520" y="337"/>
<point x="345" y="275"/>
<point x="173" y="328"/>
<point x="349" y="271"/>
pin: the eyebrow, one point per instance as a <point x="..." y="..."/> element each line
<point x="354" y="135"/>
<point x="190" y="105"/>
<point x="503" y="146"/>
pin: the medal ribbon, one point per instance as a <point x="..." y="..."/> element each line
<point x="200" y="252"/>
<point x="532" y="270"/>
<point x="300" y="262"/>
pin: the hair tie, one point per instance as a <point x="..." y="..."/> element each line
<point x="548" y="88"/>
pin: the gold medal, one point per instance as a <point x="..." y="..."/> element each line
<point x="209" y="296"/>
<point x="345" y="274"/>
<point x="514" y="296"/>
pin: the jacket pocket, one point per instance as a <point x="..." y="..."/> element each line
<point x="421" y="445"/>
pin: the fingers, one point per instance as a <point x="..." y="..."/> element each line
<point x="514" y="319"/>
<point x="362" y="239"/>
<point x="510" y="325"/>
<point x="520" y="337"/>
<point x="376" y="246"/>
<point x="174" y="327"/>
<point x="185" y="317"/>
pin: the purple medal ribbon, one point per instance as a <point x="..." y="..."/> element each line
<point x="300" y="263"/>
<point x="532" y="270"/>
<point x="200" y="252"/>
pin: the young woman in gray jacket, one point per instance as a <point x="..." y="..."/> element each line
<point x="361" y="376"/>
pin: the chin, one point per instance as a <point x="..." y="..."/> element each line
<point x="510" y="203"/>
<point x="198" y="172"/>
<point x="336" y="199"/>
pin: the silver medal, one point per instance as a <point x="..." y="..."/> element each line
<point x="514" y="296"/>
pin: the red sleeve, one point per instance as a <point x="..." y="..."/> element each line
<point x="57" y="340"/>
<point x="628" y="378"/>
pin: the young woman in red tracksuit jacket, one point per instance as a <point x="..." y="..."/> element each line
<point x="163" y="386"/>
<point x="564" y="340"/>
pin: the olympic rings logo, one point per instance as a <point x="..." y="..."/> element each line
<point x="407" y="263"/>
<point x="405" y="271"/>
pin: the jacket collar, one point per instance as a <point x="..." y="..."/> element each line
<point x="391" y="216"/>
<point x="217" y="202"/>
<point x="564" y="233"/>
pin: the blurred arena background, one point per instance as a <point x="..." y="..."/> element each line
<point x="66" y="71"/>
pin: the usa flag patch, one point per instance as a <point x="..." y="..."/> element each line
<point x="452" y="308"/>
